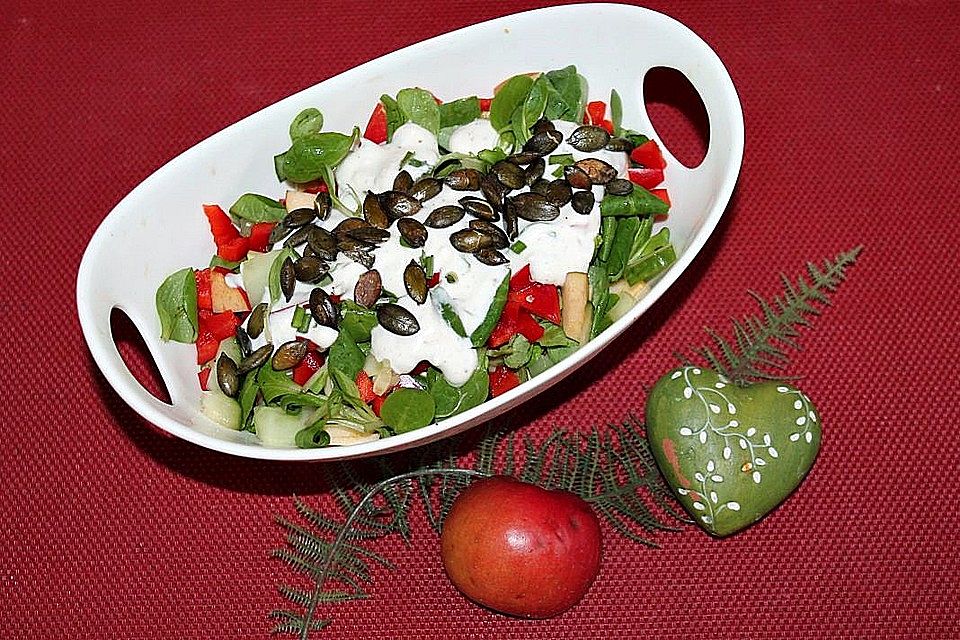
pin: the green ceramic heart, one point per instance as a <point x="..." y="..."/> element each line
<point x="730" y="453"/>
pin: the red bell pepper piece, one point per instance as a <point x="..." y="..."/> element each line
<point x="378" y="403"/>
<point x="646" y="178"/>
<point x="310" y="364"/>
<point x="649" y="155"/>
<point x="542" y="300"/>
<point x="502" y="379"/>
<point x="595" y="113"/>
<point x="260" y="236"/>
<point x="235" y="250"/>
<point x="434" y="280"/>
<point x="421" y="367"/>
<point x="506" y="327"/>
<point x="231" y="246"/>
<point x="662" y="194"/>
<point x="220" y="325"/>
<point x="317" y="186"/>
<point x="207" y="346"/>
<point x="485" y="104"/>
<point x="606" y="124"/>
<point x="528" y="327"/>
<point x="204" y="299"/>
<point x="521" y="279"/>
<point x="204" y="377"/>
<point x="376" y="130"/>
<point x="365" y="387"/>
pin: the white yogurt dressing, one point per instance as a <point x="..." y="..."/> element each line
<point x="553" y="249"/>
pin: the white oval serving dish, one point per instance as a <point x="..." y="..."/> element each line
<point x="159" y="228"/>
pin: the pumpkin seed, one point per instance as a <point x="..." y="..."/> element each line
<point x="397" y="320"/>
<point x="493" y="191"/>
<point x="582" y="202"/>
<point x="310" y="269"/>
<point x="415" y="281"/>
<point x="510" y="175"/>
<point x="278" y="233"/>
<point x="288" y="278"/>
<point x="479" y="208"/>
<point x="299" y="217"/>
<point x="373" y="212"/>
<point x="412" y="231"/>
<point x="619" y="187"/>
<point x="496" y="233"/>
<point x="541" y="125"/>
<point x="534" y="171"/>
<point x="470" y="240"/>
<point x="510" y="223"/>
<point x="544" y="142"/>
<point x="576" y="177"/>
<point x="256" y="359"/>
<point x="621" y="145"/>
<point x="341" y="231"/>
<point x="290" y="354"/>
<point x="600" y="172"/>
<point x="322" y="243"/>
<point x="299" y="237"/>
<point x="368" y="288"/>
<point x="534" y="207"/>
<point x="540" y="186"/>
<point x="463" y="179"/>
<point x="227" y="377"/>
<point x="256" y="320"/>
<point x="368" y="234"/>
<point x="522" y="158"/>
<point x="403" y="181"/>
<point x="323" y="310"/>
<point x="490" y="257"/>
<point x="445" y="216"/>
<point x="425" y="188"/>
<point x="558" y="192"/>
<point x="360" y="256"/>
<point x="243" y="340"/>
<point x="588" y="138"/>
<point x="397" y="204"/>
<point x="323" y="204"/>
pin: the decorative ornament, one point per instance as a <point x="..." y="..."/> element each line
<point x="730" y="453"/>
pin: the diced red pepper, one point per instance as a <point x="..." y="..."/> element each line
<point x="204" y="377"/>
<point x="434" y="280"/>
<point x="606" y="124"/>
<point x="317" y="186"/>
<point x="365" y="387"/>
<point x="310" y="364"/>
<point x="485" y="104"/>
<point x="595" y="112"/>
<point x="528" y="327"/>
<point x="521" y="279"/>
<point x="649" y="155"/>
<point x="204" y="300"/>
<point x="234" y="250"/>
<point x="335" y="297"/>
<point x="502" y="379"/>
<point x="646" y="178"/>
<point x="260" y="236"/>
<point x="220" y="325"/>
<point x="378" y="403"/>
<point x="421" y="367"/>
<point x="231" y="246"/>
<point x="506" y="327"/>
<point x="207" y="346"/>
<point x="662" y="194"/>
<point x="542" y="300"/>
<point x="376" y="130"/>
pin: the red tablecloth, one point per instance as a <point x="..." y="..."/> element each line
<point x="853" y="128"/>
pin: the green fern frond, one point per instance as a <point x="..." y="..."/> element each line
<point x="760" y="341"/>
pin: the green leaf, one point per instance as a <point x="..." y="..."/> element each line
<point x="450" y="315"/>
<point x="510" y="96"/>
<point x="459" y="112"/>
<point x="451" y="400"/>
<point x="248" y="395"/>
<point x="345" y="356"/>
<point x="310" y="154"/>
<point x="656" y="255"/>
<point x="395" y="116"/>
<point x="568" y="96"/>
<point x="176" y="302"/>
<point x="217" y="261"/>
<point x="308" y="121"/>
<point x="638" y="202"/>
<point x="257" y="208"/>
<point x="519" y="352"/>
<point x="356" y="320"/>
<point x="616" y="112"/>
<point x="408" y="409"/>
<point x="627" y="229"/>
<point x="274" y="384"/>
<point x="599" y="295"/>
<point x="553" y="336"/>
<point x="482" y="332"/>
<point x="419" y="107"/>
<point x="530" y="111"/>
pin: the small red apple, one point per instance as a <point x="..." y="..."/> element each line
<point x="520" y="549"/>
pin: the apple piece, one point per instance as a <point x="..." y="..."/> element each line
<point x="224" y="297"/>
<point x="520" y="549"/>
<point x="574" y="303"/>
<point x="299" y="200"/>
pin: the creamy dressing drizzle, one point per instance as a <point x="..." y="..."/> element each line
<point x="553" y="249"/>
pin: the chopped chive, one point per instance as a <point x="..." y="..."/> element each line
<point x="518" y="246"/>
<point x="558" y="172"/>
<point x="427" y="263"/>
<point x="563" y="159"/>
<point x="300" y="320"/>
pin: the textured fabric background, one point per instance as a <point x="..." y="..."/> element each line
<point x="110" y="529"/>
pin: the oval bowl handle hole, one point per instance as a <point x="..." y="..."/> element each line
<point x="133" y="350"/>
<point x="677" y="113"/>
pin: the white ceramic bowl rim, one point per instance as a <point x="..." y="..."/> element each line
<point x="107" y="277"/>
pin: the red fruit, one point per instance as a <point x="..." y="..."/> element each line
<point x="519" y="549"/>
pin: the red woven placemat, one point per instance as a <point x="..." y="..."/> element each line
<point x="113" y="530"/>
